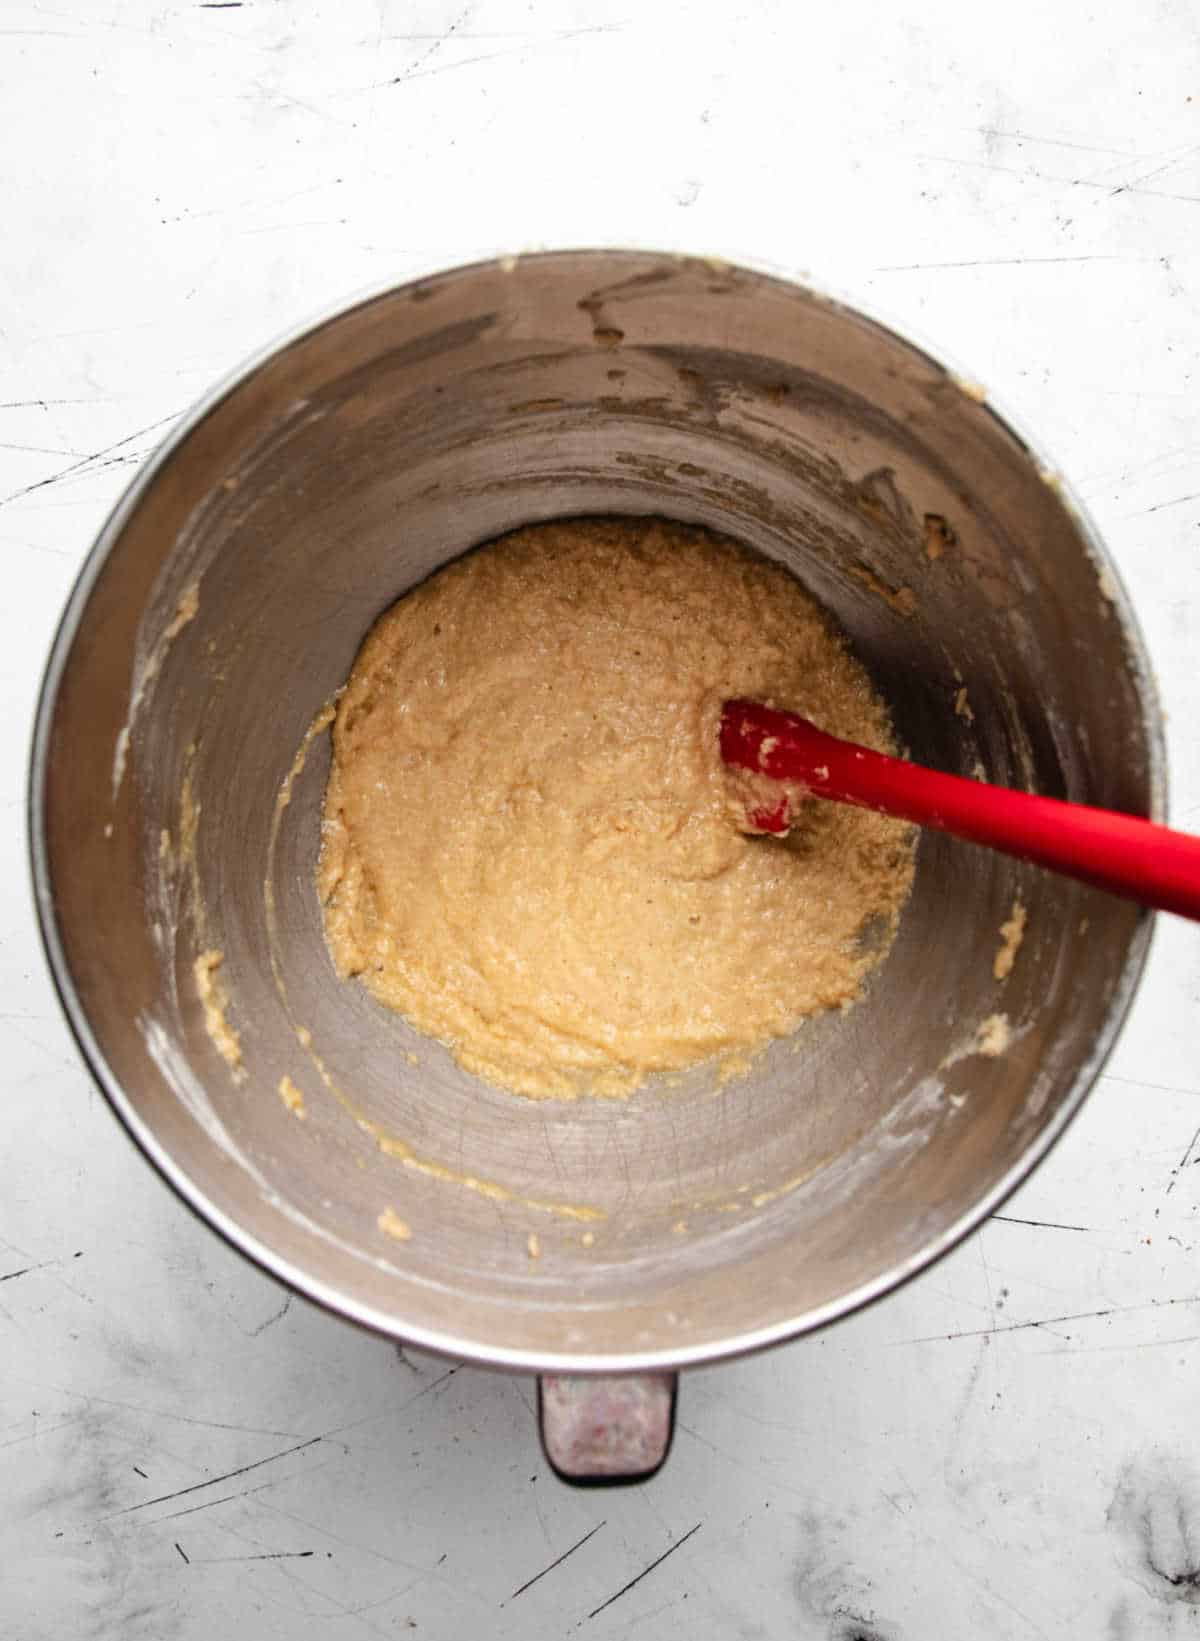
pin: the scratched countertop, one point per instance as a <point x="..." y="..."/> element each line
<point x="1007" y="1450"/>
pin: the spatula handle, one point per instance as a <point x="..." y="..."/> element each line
<point x="1121" y="853"/>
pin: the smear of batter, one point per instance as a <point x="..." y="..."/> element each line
<point x="392" y="1225"/>
<point x="293" y="1098"/>
<point x="215" y="1000"/>
<point x="993" y="1037"/>
<point x="147" y="672"/>
<point x="528" y="848"/>
<point x="1012" y="932"/>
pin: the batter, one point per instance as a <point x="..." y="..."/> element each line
<point x="529" y="846"/>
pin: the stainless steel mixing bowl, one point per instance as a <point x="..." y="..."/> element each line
<point x="223" y="605"/>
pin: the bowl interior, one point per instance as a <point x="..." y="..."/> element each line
<point x="224" y="607"/>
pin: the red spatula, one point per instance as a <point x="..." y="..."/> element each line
<point x="1120" y="853"/>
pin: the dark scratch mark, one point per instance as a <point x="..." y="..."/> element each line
<point x="625" y="1588"/>
<point x="356" y="1545"/>
<point x="194" y="1509"/>
<point x="1136" y="1082"/>
<point x="450" y="68"/>
<point x="1147" y="176"/>
<point x="994" y="262"/>
<point x="578" y="1545"/>
<point x="432" y="1385"/>
<point x="220" y="5"/>
<point x="1182" y="1163"/>
<point x="97" y="456"/>
<point x="41" y="404"/>
<point x="140" y="1473"/>
<point x="263" y="1487"/>
<point x="165" y="1498"/>
<point x="1028" y="173"/>
<point x="39" y="1431"/>
<point x="437" y="45"/>
<point x="276" y="1316"/>
<point x="1042" y="1224"/>
<point x="11" y="1276"/>
<point x="41" y="450"/>
<point x="1157" y="508"/>
<point x="269" y="1555"/>
<point x="1140" y="1344"/>
<point x="537" y="1510"/>
<point x="1053" y="1321"/>
<point x="183" y="1553"/>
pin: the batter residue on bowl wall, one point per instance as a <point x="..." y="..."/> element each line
<point x="528" y="844"/>
<point x="1012" y="932"/>
<point x="293" y="1098"/>
<point x="215" y="1000"/>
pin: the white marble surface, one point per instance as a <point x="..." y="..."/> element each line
<point x="1008" y="1449"/>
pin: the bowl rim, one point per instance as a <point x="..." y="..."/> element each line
<point x="372" y="1317"/>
